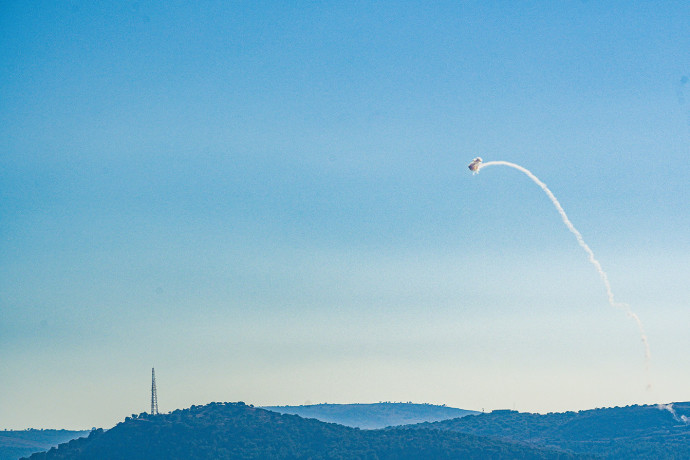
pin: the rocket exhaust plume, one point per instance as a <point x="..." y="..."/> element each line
<point x="477" y="165"/>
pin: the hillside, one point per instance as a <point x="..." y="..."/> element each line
<point x="238" y="431"/>
<point x="16" y="444"/>
<point x="654" y="432"/>
<point x="372" y="416"/>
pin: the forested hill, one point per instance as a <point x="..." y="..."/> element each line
<point x="19" y="443"/>
<point x="640" y="432"/>
<point x="376" y="415"/>
<point x="238" y="431"/>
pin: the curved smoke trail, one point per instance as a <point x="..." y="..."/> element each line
<point x="604" y="277"/>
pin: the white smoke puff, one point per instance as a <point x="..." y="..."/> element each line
<point x="669" y="407"/>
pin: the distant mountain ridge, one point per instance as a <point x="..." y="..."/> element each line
<point x="374" y="415"/>
<point x="19" y="443"/>
<point x="236" y="431"/>
<point x="635" y="432"/>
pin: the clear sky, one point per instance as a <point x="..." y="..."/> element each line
<point x="270" y="202"/>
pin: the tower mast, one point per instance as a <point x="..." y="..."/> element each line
<point x="154" y="394"/>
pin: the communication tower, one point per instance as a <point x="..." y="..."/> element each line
<point x="154" y="394"/>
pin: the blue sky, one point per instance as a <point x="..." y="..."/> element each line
<point x="270" y="202"/>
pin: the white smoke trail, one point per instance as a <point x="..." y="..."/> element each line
<point x="669" y="407"/>
<point x="604" y="277"/>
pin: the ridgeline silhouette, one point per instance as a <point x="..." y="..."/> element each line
<point x="238" y="431"/>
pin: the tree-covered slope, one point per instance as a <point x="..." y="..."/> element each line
<point x="20" y="443"/>
<point x="376" y="415"/>
<point x="238" y="431"/>
<point x="654" y="432"/>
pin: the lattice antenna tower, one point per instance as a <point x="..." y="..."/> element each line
<point x="154" y="394"/>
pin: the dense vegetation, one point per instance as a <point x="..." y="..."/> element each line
<point x="15" y="444"/>
<point x="372" y="416"/>
<point x="225" y="431"/>
<point x="639" y="432"/>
